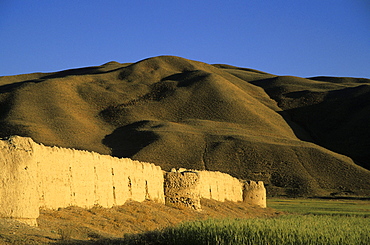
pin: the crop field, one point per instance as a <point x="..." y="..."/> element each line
<point x="312" y="221"/>
<point x="346" y="207"/>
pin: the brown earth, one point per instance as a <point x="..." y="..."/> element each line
<point x="174" y="112"/>
<point x="74" y="225"/>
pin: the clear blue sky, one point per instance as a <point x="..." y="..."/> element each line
<point x="285" y="37"/>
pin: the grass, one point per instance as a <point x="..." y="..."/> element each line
<point x="290" y="229"/>
<point x="322" y="206"/>
<point x="313" y="221"/>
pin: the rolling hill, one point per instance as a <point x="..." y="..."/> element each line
<point x="301" y="136"/>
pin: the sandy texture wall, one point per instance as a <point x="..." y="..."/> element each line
<point x="220" y="186"/>
<point x="34" y="176"/>
<point x="18" y="185"/>
<point x="187" y="185"/>
<point x="254" y="193"/>
<point x="181" y="189"/>
<point x="71" y="177"/>
<point x="216" y="185"/>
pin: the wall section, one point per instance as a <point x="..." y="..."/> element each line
<point x="33" y="175"/>
<point x="220" y="186"/>
<point x="18" y="183"/>
<point x="72" y="177"/>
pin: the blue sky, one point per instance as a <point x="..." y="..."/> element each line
<point x="284" y="37"/>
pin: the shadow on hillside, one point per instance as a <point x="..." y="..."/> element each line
<point x="128" y="140"/>
<point x="71" y="72"/>
<point x="187" y="78"/>
<point x="336" y="119"/>
<point x="339" y="123"/>
<point x="299" y="130"/>
<point x="79" y="72"/>
<point x="13" y="86"/>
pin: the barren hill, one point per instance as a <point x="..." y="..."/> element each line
<point x="298" y="135"/>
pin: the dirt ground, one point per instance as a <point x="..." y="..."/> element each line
<point x="74" y="225"/>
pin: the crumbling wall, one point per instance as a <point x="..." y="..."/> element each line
<point x="188" y="186"/>
<point x="179" y="185"/>
<point x="34" y="176"/>
<point x="181" y="189"/>
<point x="254" y="193"/>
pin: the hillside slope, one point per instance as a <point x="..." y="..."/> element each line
<point x="181" y="113"/>
<point x="334" y="111"/>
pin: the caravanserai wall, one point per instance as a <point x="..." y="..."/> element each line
<point x="71" y="177"/>
<point x="220" y="186"/>
<point x="33" y="176"/>
<point x="185" y="187"/>
<point x="18" y="183"/>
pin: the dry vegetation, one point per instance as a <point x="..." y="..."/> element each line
<point x="80" y="224"/>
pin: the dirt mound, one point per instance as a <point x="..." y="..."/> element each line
<point x="181" y="113"/>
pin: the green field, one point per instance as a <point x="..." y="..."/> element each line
<point x="314" y="221"/>
<point x="289" y="229"/>
<point x="345" y="207"/>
